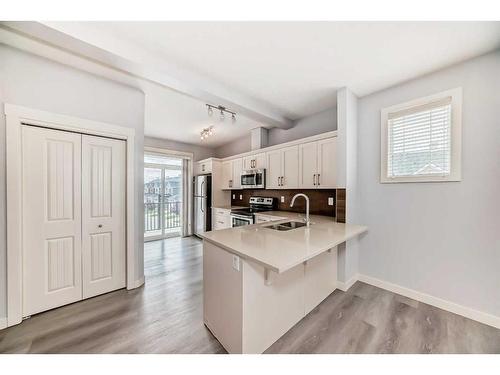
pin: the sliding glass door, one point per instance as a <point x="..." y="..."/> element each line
<point x="163" y="206"/>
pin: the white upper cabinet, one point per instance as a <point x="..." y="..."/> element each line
<point x="256" y="161"/>
<point x="290" y="167"/>
<point x="283" y="168"/>
<point x="317" y="164"/>
<point x="273" y="172"/>
<point x="231" y="174"/>
<point x="203" y="167"/>
<point x="327" y="167"/>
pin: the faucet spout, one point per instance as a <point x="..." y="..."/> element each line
<point x="307" y="205"/>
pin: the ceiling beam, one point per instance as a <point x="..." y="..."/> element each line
<point x="127" y="61"/>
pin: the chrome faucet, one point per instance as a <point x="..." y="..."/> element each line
<point x="307" y="205"/>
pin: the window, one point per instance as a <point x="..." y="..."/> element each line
<point x="421" y="139"/>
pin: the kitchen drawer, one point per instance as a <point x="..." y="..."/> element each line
<point x="221" y="218"/>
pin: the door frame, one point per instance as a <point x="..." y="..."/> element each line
<point x="187" y="156"/>
<point x="16" y="116"/>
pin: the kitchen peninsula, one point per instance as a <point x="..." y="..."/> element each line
<point x="261" y="279"/>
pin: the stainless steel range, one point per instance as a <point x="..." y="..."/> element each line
<point x="246" y="216"/>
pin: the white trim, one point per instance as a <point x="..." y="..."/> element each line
<point x="15" y="117"/>
<point x="345" y="286"/>
<point x="138" y="283"/>
<point x="3" y="323"/>
<point x="452" y="307"/>
<point x="456" y="137"/>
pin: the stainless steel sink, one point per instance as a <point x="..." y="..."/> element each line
<point x="289" y="225"/>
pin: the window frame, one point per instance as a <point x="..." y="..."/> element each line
<point x="455" y="138"/>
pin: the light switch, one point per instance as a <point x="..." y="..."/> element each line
<point x="236" y="262"/>
<point x="330" y="201"/>
<point x="234" y="196"/>
<point x="282" y="199"/>
<point x="241" y="197"/>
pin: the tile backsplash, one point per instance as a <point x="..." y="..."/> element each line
<point x="318" y="200"/>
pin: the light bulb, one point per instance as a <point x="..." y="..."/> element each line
<point x="210" y="132"/>
<point x="210" y="111"/>
<point x="233" y="118"/>
<point x="222" y="115"/>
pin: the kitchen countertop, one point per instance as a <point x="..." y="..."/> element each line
<point x="280" y="251"/>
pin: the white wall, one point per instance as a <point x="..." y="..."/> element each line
<point x="347" y="176"/>
<point x="39" y="83"/>
<point x="442" y="239"/>
<point x="317" y="123"/>
<point x="199" y="152"/>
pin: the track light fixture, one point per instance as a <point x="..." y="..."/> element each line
<point x="222" y="111"/>
<point x="207" y="132"/>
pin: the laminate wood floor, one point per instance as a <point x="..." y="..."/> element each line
<point x="165" y="316"/>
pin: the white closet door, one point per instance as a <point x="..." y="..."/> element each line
<point x="103" y="215"/>
<point x="51" y="219"/>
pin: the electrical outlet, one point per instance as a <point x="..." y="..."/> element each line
<point x="282" y="199"/>
<point x="234" y="196"/>
<point x="241" y="197"/>
<point x="236" y="262"/>
<point x="330" y="201"/>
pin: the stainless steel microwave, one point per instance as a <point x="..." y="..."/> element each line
<point x="253" y="179"/>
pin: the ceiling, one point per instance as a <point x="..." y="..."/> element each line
<point x="181" y="118"/>
<point x="282" y="70"/>
<point x="298" y="66"/>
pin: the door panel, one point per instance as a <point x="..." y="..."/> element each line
<point x="51" y="219"/>
<point x="103" y="215"/>
<point x="308" y="153"/>
<point x="274" y="169"/>
<point x="290" y="157"/>
<point x="227" y="174"/>
<point x="327" y="171"/>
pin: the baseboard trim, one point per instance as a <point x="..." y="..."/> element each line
<point x="452" y="307"/>
<point x="344" y="286"/>
<point x="3" y="323"/>
<point x="137" y="283"/>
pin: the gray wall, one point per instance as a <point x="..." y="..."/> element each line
<point x="199" y="152"/>
<point x="318" y="123"/>
<point x="438" y="238"/>
<point x="38" y="83"/>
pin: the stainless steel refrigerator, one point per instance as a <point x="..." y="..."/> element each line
<point x="202" y="204"/>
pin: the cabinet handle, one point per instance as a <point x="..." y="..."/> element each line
<point x="318" y="179"/>
<point x="279" y="181"/>
<point x="314" y="179"/>
<point x="282" y="179"/>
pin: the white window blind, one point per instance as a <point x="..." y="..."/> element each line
<point x="419" y="140"/>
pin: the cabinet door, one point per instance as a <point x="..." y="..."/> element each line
<point x="248" y="162"/>
<point x="327" y="166"/>
<point x="308" y="165"/>
<point x="227" y="174"/>
<point x="290" y="167"/>
<point x="260" y="161"/>
<point x="273" y="169"/>
<point x="51" y="219"/>
<point x="237" y="168"/>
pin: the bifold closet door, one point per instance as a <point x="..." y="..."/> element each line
<point x="51" y="219"/>
<point x="103" y="215"/>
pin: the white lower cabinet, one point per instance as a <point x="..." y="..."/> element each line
<point x="221" y="218"/>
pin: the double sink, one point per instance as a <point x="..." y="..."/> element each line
<point x="289" y="225"/>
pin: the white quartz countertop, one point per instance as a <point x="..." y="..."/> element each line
<point x="280" y="251"/>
